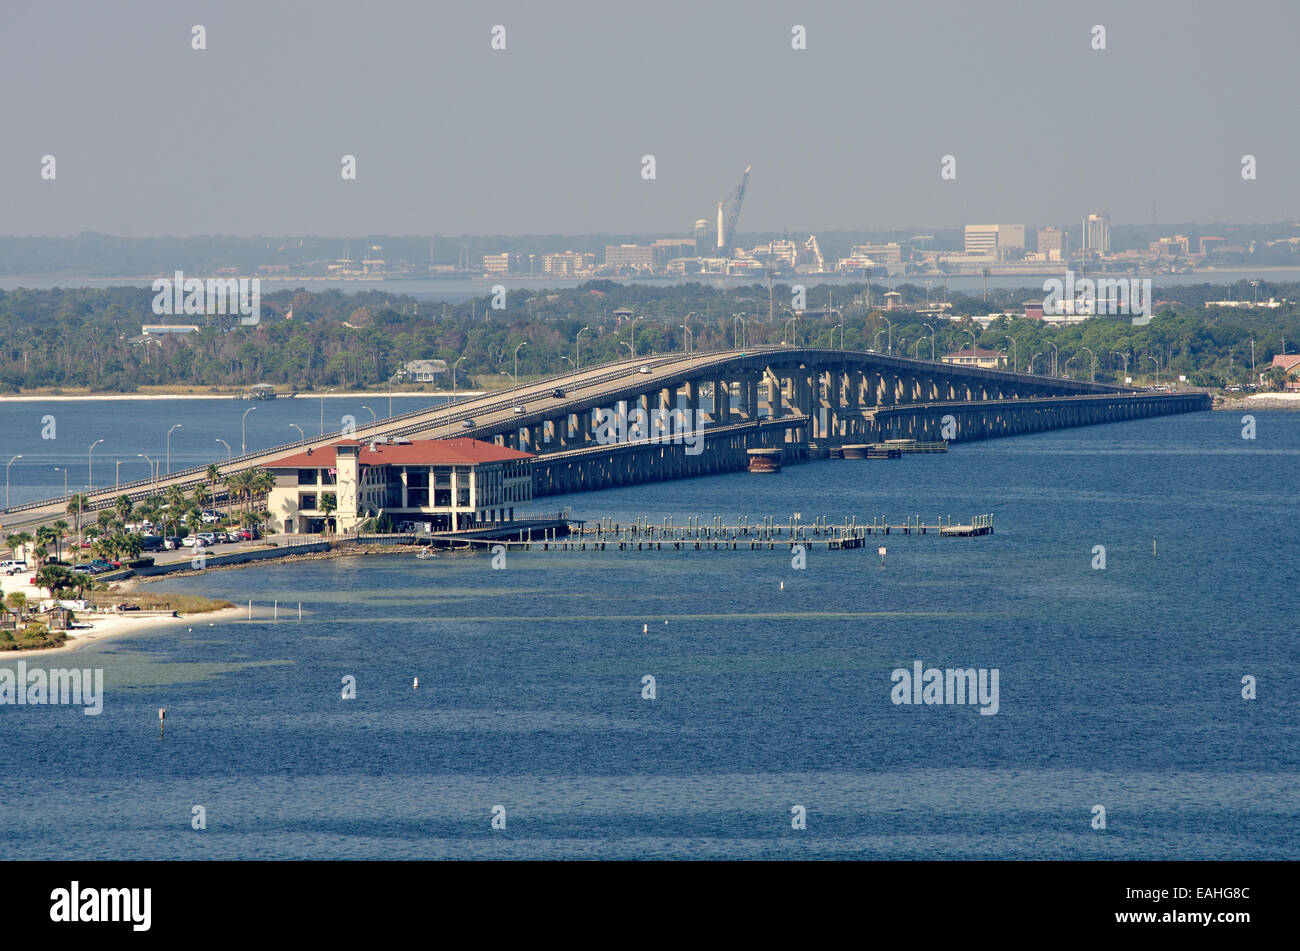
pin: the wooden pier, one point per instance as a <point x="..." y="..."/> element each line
<point x="758" y="535"/>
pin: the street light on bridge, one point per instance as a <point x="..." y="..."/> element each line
<point x="227" y="445"/>
<point x="169" y="448"/>
<point x="243" y="441"/>
<point x="577" y="352"/>
<point x="522" y="343"/>
<point x="7" y="465"/>
<point x="453" y="385"/>
<point x="632" y="328"/>
<point x="1092" y="373"/>
<point x="90" y="466"/>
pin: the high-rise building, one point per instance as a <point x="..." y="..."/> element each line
<point x="992" y="239"/>
<point x="668" y="249"/>
<point x="1053" y="244"/>
<point x="639" y="256"/>
<point x="701" y="232"/>
<point x="1096" y="233"/>
<point x="507" y="262"/>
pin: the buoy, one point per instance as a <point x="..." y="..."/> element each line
<point x="782" y="585"/>
<point x="417" y="683"/>
<point x="645" y="628"/>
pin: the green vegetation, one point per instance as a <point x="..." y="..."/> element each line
<point x="162" y="601"/>
<point x="90" y="338"/>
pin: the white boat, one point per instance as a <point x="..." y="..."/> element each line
<point x="426" y="552"/>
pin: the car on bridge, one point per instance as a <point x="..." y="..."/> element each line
<point x="520" y="410"/>
<point x="557" y="393"/>
<point x="467" y="424"/>
<point x="644" y="368"/>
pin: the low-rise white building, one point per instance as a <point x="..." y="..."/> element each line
<point x="445" y="484"/>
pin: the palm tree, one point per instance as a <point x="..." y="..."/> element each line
<point x="201" y="496"/>
<point x="213" y="475"/>
<point x="327" y="505"/>
<point x="104" y="519"/>
<point x="19" y="541"/>
<point x="55" y="578"/>
<point x="124" y="507"/>
<point x="131" y="546"/>
<point x="62" y="528"/>
<point x="40" y="553"/>
<point x="46" y="536"/>
<point x="78" y="504"/>
<point x="263" y="482"/>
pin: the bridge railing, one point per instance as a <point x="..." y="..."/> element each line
<point x="195" y="476"/>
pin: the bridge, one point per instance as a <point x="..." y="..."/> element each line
<point x="803" y="400"/>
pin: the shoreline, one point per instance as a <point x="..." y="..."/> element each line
<point x="106" y="627"/>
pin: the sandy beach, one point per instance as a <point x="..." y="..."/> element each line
<point x="107" y="625"/>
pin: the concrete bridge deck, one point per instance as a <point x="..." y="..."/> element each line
<point x="741" y="398"/>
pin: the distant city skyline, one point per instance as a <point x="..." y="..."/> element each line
<point x="151" y="137"/>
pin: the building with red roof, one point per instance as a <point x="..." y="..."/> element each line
<point x="988" y="359"/>
<point x="423" y="485"/>
<point x="1289" y="363"/>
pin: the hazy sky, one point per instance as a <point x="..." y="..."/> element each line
<point x="246" y="137"/>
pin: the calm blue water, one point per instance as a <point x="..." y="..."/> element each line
<point x="131" y="426"/>
<point x="1119" y="687"/>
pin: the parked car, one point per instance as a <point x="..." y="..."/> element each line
<point x="128" y="607"/>
<point x="13" y="567"/>
<point x="233" y="536"/>
<point x="210" y="538"/>
<point x="245" y="535"/>
<point x="173" y="542"/>
<point x="151" y="543"/>
<point x="192" y="541"/>
<point x="211" y="516"/>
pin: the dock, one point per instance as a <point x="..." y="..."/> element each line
<point x="764" y="534"/>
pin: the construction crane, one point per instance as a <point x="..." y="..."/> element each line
<point x="729" y="214"/>
<point x="811" y="245"/>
